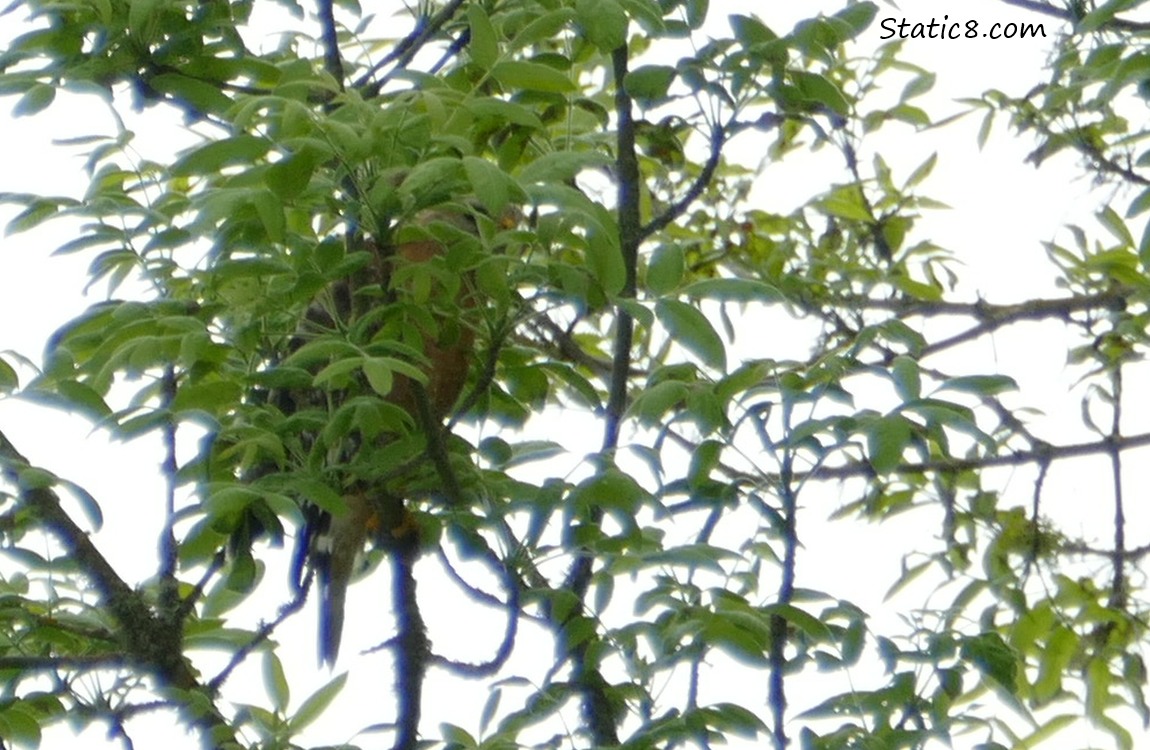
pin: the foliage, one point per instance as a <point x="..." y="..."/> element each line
<point x="624" y="273"/>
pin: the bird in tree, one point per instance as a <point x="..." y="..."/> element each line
<point x="404" y="310"/>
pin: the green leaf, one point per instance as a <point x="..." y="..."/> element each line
<point x="490" y="706"/>
<point x="432" y="182"/>
<point x="604" y="259"/>
<point x="750" y="31"/>
<point x="736" y="720"/>
<point x="611" y="490"/>
<point x="818" y="88"/>
<point x="457" y="738"/>
<point x="379" y="375"/>
<point x="561" y="166"/>
<point x="917" y="86"/>
<point x="655" y="402"/>
<point x="20" y="725"/>
<point x="921" y="172"/>
<point x="985" y="128"/>
<point x="804" y="621"/>
<point x="703" y="461"/>
<point x="1139" y="205"/>
<point x="37" y="212"/>
<point x="858" y="16"/>
<point x="845" y="202"/>
<point x="689" y="328"/>
<point x="648" y="14"/>
<point x="887" y="438"/>
<point x="1054" y="659"/>
<point x="697" y="13"/>
<point x="1144" y="248"/>
<point x="337" y="372"/>
<point x="36" y="99"/>
<point x="546" y="26"/>
<point x="1110" y="219"/>
<point x="143" y="18"/>
<point x="185" y="90"/>
<point x="648" y="84"/>
<point x="494" y="187"/>
<point x="929" y="292"/>
<point x="35" y="478"/>
<point x="484" y="42"/>
<point x="213" y="396"/>
<point x="503" y="111"/>
<point x="604" y="23"/>
<point x="9" y="380"/>
<point x="275" y="681"/>
<point x="980" y="385"/>
<point x="1120" y="734"/>
<point x="290" y="176"/>
<point x="316" y="704"/>
<point x="910" y="115"/>
<point x="665" y="269"/>
<point x="518" y="74"/>
<point x="214" y="156"/>
<point x="1102" y="14"/>
<point x="270" y="209"/>
<point x="993" y="657"/>
<point x="532" y="451"/>
<point x="733" y="290"/>
<point x="907" y="380"/>
<point x="321" y="494"/>
<point x="578" y="386"/>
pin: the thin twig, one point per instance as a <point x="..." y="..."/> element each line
<point x="406" y="50"/>
<point x="1066" y="15"/>
<point x="152" y="642"/>
<point x="676" y="209"/>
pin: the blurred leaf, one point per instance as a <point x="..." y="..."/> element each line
<point x="907" y="379"/>
<point x="484" y="42"/>
<point x="818" y="88"/>
<point x="665" y="269"/>
<point x="603" y="21"/>
<point x="887" y="438"/>
<point x="690" y="329"/>
<point x="993" y="657"/>
<point x="215" y="155"/>
<point x="36" y="99"/>
<point x="648" y="84"/>
<point x="517" y="74"/>
<point x="316" y="704"/>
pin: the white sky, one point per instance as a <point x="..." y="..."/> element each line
<point x="1002" y="208"/>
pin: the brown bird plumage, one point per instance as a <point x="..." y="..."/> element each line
<point x="335" y="542"/>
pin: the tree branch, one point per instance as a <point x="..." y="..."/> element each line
<point x="150" y="641"/>
<point x="332" y="62"/>
<point x="411" y="645"/>
<point x="1066" y="15"/>
<point x="407" y="49"/>
<point x="496" y="662"/>
<point x="718" y="140"/>
<point x="1044" y="452"/>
